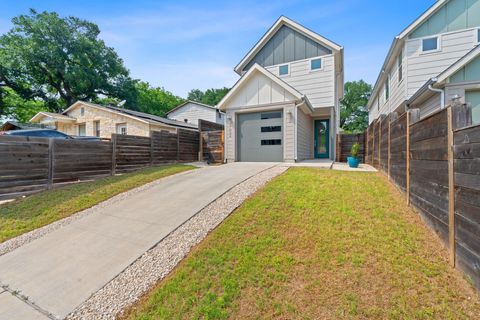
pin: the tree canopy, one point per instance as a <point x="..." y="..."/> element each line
<point x="353" y="106"/>
<point x="60" y="60"/>
<point x="210" y="96"/>
<point x="157" y="101"/>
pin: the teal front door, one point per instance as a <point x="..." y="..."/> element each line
<point x="322" y="145"/>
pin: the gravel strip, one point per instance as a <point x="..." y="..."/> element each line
<point x="25" y="238"/>
<point x="125" y="289"/>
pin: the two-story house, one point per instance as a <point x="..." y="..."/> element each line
<point x="285" y="106"/>
<point x="420" y="63"/>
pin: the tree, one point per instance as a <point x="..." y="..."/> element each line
<point x="210" y="96"/>
<point x="60" y="60"/>
<point x="15" y="107"/>
<point x="353" y="106"/>
<point x="155" y="101"/>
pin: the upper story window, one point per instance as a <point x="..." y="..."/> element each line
<point x="400" y="66"/>
<point x="82" y="111"/>
<point x="316" y="64"/>
<point x="430" y="44"/>
<point x="387" y="88"/>
<point x="478" y="35"/>
<point x="283" y="70"/>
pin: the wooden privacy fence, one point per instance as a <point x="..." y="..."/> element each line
<point x="29" y="164"/>
<point x="345" y="143"/>
<point x="212" y="140"/>
<point x="436" y="162"/>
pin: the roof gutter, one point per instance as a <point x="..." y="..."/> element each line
<point x="441" y="91"/>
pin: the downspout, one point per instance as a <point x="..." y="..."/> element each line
<point x="295" y="113"/>
<point x="441" y="91"/>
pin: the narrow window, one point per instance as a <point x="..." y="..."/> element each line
<point x="185" y="120"/>
<point x="400" y="66"/>
<point x="316" y="64"/>
<point x="271" y="142"/>
<point x="82" y="111"/>
<point x="283" y="70"/>
<point x="271" y="129"/>
<point x="271" y="115"/>
<point x="478" y="36"/>
<point x="430" y="44"/>
<point x="387" y="88"/>
<point x="96" y="128"/>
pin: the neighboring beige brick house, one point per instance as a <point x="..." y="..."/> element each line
<point x="89" y="119"/>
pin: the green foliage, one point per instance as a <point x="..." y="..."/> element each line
<point x="353" y="109"/>
<point x="355" y="149"/>
<point x="59" y="61"/>
<point x="157" y="101"/>
<point x="210" y="96"/>
<point x="15" y="107"/>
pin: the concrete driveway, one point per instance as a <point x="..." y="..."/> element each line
<point x="59" y="271"/>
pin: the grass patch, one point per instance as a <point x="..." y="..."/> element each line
<point x="46" y="207"/>
<point x="316" y="244"/>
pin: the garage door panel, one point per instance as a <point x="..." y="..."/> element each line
<point x="260" y="136"/>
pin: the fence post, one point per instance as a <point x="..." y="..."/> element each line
<point x="451" y="189"/>
<point x="114" y="154"/>
<point x="200" y="150"/>
<point x="50" y="162"/>
<point x="151" y="148"/>
<point x="407" y="157"/>
<point x="222" y="143"/>
<point x="178" y="145"/>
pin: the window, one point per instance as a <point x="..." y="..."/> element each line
<point x="430" y="44"/>
<point x="271" y="142"/>
<point x="400" y="66"/>
<point x="473" y="99"/>
<point x="185" y="120"/>
<point x="283" y="70"/>
<point x="122" y="128"/>
<point x="271" y="129"/>
<point x="81" y="130"/>
<point x="387" y="88"/>
<point x="316" y="64"/>
<point x="271" y="115"/>
<point x="96" y="128"/>
<point x="82" y="111"/>
<point x="478" y="35"/>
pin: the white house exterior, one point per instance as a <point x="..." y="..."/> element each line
<point x="438" y="39"/>
<point x="285" y="106"/>
<point x="192" y="111"/>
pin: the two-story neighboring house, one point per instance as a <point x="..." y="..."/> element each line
<point x="192" y="111"/>
<point x="442" y="38"/>
<point x="285" y="106"/>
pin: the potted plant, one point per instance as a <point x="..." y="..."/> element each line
<point x="353" y="160"/>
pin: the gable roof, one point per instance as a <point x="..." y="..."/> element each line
<point x="140" y="116"/>
<point x="192" y="102"/>
<point x="257" y="68"/>
<point x="53" y="115"/>
<point x="284" y="21"/>
<point x="398" y="40"/>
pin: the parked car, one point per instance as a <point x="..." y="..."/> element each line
<point x="87" y="138"/>
<point x="40" y="133"/>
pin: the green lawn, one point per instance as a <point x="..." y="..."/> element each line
<point x="316" y="244"/>
<point x="46" y="207"/>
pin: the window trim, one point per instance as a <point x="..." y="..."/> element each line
<point x="321" y="64"/>
<point x="84" y="125"/>
<point x="387" y="81"/>
<point x="439" y="44"/>
<point x="476" y="36"/>
<point x="121" y="126"/>
<point x="96" y="131"/>
<point x="288" y="69"/>
<point x="400" y="67"/>
<point x="82" y="111"/>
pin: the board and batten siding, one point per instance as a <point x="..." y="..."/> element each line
<point x="304" y="136"/>
<point x="193" y="112"/>
<point x="317" y="85"/>
<point x="285" y="46"/>
<point x="424" y="66"/>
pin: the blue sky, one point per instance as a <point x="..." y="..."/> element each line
<point x="182" y="45"/>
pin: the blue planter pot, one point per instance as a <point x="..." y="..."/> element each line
<point x="353" y="162"/>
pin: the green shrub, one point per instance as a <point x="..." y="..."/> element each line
<point x="355" y="149"/>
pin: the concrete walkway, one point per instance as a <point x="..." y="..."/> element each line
<point x="49" y="277"/>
